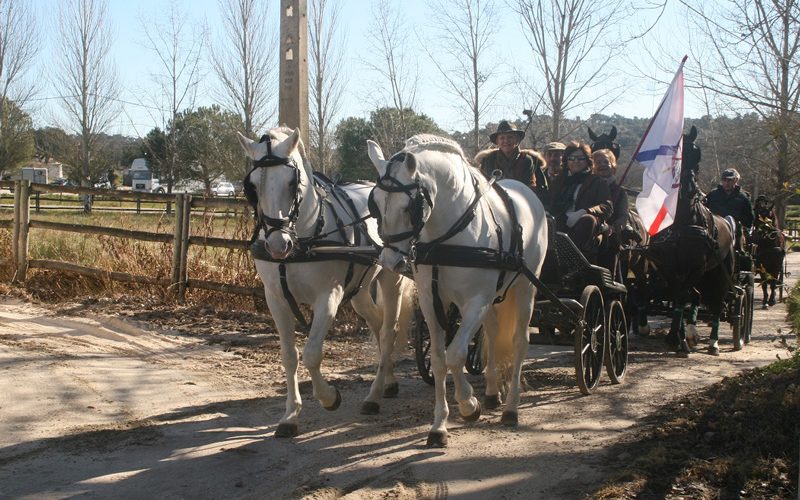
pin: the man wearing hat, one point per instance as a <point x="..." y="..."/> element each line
<point x="728" y="199"/>
<point x="514" y="163"/>
<point x="552" y="155"/>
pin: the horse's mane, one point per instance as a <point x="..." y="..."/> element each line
<point x="430" y="142"/>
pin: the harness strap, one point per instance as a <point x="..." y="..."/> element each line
<point x="438" y="307"/>
<point x="287" y="294"/>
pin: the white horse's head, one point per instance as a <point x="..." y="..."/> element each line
<point x="275" y="186"/>
<point x="402" y="203"/>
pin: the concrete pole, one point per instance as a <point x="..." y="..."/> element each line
<point x="293" y="94"/>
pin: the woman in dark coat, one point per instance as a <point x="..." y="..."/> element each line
<point x="580" y="201"/>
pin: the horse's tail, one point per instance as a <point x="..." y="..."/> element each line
<point x="513" y="315"/>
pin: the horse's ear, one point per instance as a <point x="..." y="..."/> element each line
<point x="292" y="141"/>
<point x="613" y="134"/>
<point x="692" y="133"/>
<point x="411" y="163"/>
<point x="376" y="156"/>
<point x="248" y="145"/>
<point x="592" y="135"/>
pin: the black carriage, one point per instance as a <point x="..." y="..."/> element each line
<point x="582" y="301"/>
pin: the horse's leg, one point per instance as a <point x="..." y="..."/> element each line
<point x="713" y="345"/>
<point x="692" y="337"/>
<point x="773" y="284"/>
<point x="325" y="308"/>
<point x="676" y="333"/>
<point x="383" y="324"/>
<point x="437" y="436"/>
<point x="642" y="300"/>
<point x="764" y="286"/>
<point x="456" y="356"/>
<point x="285" y="323"/>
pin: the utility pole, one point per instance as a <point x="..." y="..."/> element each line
<point x="293" y="94"/>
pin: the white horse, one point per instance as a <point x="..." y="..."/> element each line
<point x="297" y="223"/>
<point x="440" y="213"/>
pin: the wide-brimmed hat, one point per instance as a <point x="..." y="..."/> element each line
<point x="730" y="173"/>
<point x="505" y="127"/>
<point x="555" y="146"/>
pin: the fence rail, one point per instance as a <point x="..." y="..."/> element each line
<point x="181" y="240"/>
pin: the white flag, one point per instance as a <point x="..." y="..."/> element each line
<point x="660" y="153"/>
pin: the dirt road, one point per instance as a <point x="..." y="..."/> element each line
<point x="103" y="406"/>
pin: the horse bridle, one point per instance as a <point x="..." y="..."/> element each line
<point x="272" y="224"/>
<point x="418" y="196"/>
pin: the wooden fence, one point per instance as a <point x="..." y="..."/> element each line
<point x="180" y="238"/>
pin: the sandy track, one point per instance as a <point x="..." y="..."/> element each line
<point x="102" y="406"/>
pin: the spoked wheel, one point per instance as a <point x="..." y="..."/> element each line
<point x="590" y="340"/>
<point x="616" y="357"/>
<point x="422" y="344"/>
<point x="475" y="362"/>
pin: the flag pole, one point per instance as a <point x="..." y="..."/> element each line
<point x="649" y="125"/>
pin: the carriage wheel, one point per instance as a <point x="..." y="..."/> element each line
<point x="616" y="358"/>
<point x="475" y="362"/>
<point x="422" y="346"/>
<point x="738" y="327"/>
<point x="590" y="340"/>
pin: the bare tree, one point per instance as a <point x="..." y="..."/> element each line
<point x="245" y="65"/>
<point x="18" y="48"/>
<point x="572" y="43"/>
<point x="325" y="69"/>
<point x="396" y="72"/>
<point x="756" y="67"/>
<point x="465" y="29"/>
<point x="87" y="79"/>
<point x="178" y="48"/>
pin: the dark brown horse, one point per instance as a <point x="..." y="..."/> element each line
<point x="770" y="250"/>
<point x="694" y="255"/>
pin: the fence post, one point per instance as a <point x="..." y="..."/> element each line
<point x="15" y="226"/>
<point x="176" y="244"/>
<point x="186" y="219"/>
<point x="24" y="219"/>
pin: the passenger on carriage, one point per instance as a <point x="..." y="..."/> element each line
<point x="553" y="152"/>
<point x="580" y="201"/>
<point x="729" y="199"/>
<point x="604" y="165"/>
<point x="515" y="163"/>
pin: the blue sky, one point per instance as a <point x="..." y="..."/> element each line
<point x="135" y="65"/>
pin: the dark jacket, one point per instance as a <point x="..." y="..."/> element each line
<point x="594" y="196"/>
<point x="736" y="204"/>
<point x="619" y="202"/>
<point x="523" y="166"/>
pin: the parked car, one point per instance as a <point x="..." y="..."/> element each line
<point x="223" y="189"/>
<point x="62" y="181"/>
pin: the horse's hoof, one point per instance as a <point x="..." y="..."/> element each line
<point x="370" y="408"/>
<point x="771" y="302"/>
<point x="713" y="350"/>
<point x="764" y="306"/>
<point x="286" y="431"/>
<point x="436" y="440"/>
<point x="491" y="402"/>
<point x="391" y="390"/>
<point x="737" y="346"/>
<point x="509" y="418"/>
<point x="335" y="405"/>
<point x="474" y="416"/>
<point x="683" y="349"/>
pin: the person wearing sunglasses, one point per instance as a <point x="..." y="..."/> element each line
<point x="579" y="201"/>
<point x="523" y="165"/>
